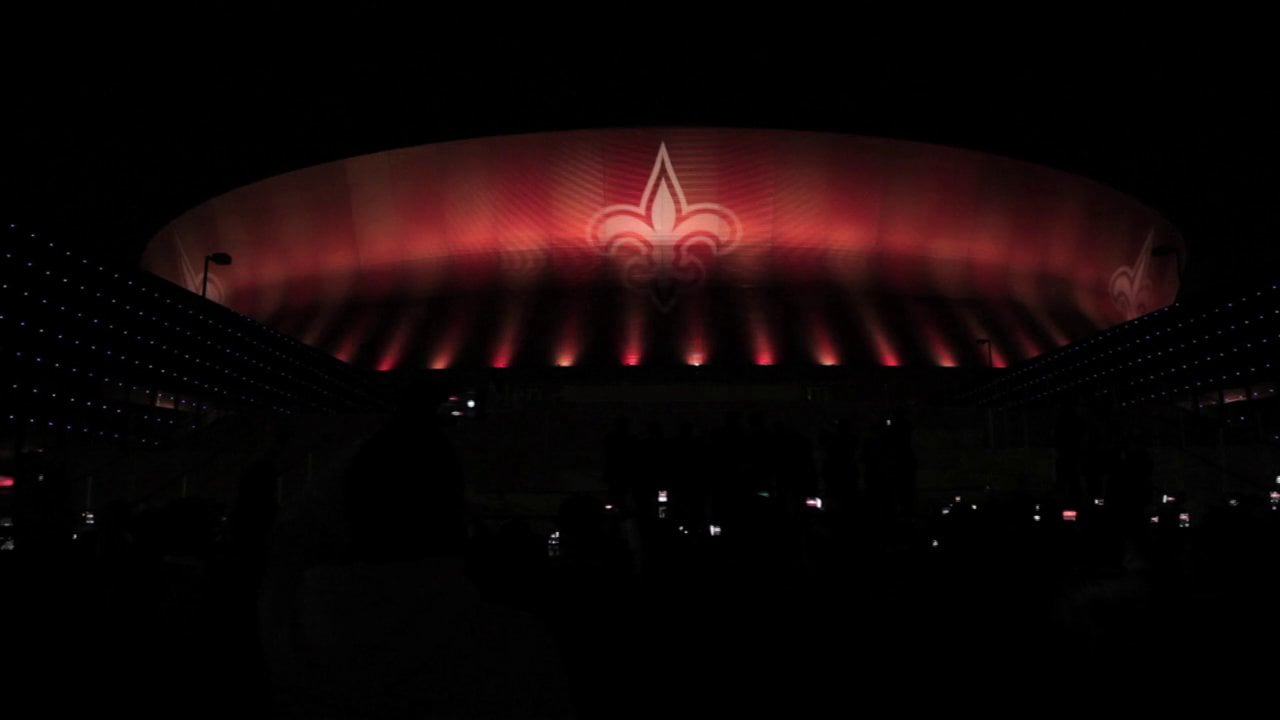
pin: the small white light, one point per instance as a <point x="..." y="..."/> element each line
<point x="471" y="403"/>
<point x="715" y="531"/>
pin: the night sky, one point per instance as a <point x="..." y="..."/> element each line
<point x="103" y="152"/>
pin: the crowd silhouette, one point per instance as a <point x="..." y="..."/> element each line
<point x="717" y="567"/>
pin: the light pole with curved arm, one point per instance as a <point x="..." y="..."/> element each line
<point x="218" y="258"/>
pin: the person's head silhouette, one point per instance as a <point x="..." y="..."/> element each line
<point x="404" y="494"/>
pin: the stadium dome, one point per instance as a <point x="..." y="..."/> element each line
<point x="675" y="246"/>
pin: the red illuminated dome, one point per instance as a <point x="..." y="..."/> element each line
<point x="676" y="246"/>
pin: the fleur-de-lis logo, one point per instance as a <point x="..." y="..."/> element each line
<point x="664" y="243"/>
<point x="1130" y="287"/>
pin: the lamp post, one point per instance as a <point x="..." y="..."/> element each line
<point x="218" y="258"/>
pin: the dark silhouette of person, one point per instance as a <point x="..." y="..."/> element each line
<point x="655" y="469"/>
<point x="621" y="460"/>
<point x="248" y="534"/>
<point x="732" y="457"/>
<point x="900" y="441"/>
<point x="43" y="518"/>
<point x="878" y="462"/>
<point x="592" y="604"/>
<point x="684" y="482"/>
<point x="517" y="566"/>
<point x="1068" y="445"/>
<point x="839" y="467"/>
<point x="399" y="630"/>
<point x="1132" y="486"/>
<point x="797" y="474"/>
<point x="587" y="545"/>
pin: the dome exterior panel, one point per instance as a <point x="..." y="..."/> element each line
<point x="671" y="245"/>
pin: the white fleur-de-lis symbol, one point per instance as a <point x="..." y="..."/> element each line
<point x="664" y="243"/>
<point x="1130" y="287"/>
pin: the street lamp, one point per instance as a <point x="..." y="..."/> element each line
<point x="218" y="258"/>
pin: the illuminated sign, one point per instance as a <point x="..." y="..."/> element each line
<point x="664" y="242"/>
<point x="1131" y="289"/>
